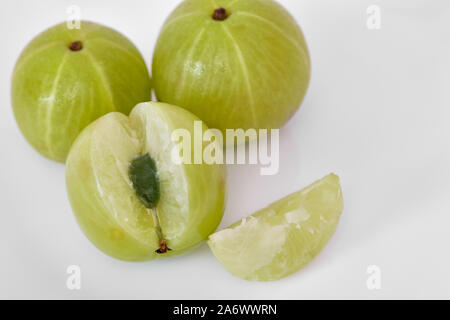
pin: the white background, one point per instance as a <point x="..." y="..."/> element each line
<point x="377" y="113"/>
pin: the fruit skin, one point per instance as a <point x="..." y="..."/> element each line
<point x="284" y="237"/>
<point x="250" y="70"/>
<point x="56" y="92"/>
<point x="104" y="201"/>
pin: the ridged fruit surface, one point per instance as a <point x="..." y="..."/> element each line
<point x="105" y="203"/>
<point x="66" y="78"/>
<point x="282" y="238"/>
<point x="245" y="67"/>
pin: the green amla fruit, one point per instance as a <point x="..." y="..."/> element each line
<point x="233" y="63"/>
<point x="66" y="78"/>
<point x="128" y="195"/>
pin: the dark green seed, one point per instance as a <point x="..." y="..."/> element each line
<point x="144" y="175"/>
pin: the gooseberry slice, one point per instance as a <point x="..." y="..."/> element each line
<point x="282" y="238"/>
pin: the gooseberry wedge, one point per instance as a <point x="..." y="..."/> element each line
<point x="284" y="237"/>
<point x="128" y="195"/>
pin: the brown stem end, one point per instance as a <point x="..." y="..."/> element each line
<point x="163" y="248"/>
<point x="76" y="46"/>
<point x="220" y="14"/>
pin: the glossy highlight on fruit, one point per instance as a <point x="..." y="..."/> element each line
<point x="130" y="199"/>
<point x="284" y="237"/>
<point x="233" y="63"/>
<point x="66" y="78"/>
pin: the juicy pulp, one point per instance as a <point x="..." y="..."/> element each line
<point x="282" y="238"/>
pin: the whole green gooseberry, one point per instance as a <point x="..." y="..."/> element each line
<point x="66" y="78"/>
<point x="233" y="63"/>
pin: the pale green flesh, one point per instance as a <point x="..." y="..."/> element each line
<point x="282" y="238"/>
<point x="104" y="200"/>
<point x="57" y="92"/>
<point x="249" y="71"/>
